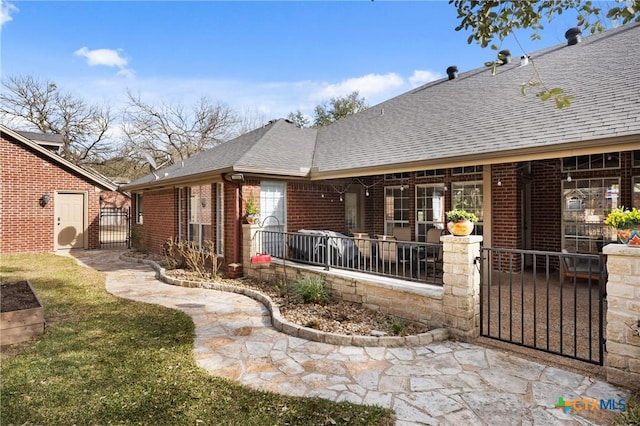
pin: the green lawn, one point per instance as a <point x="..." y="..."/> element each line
<point x="104" y="360"/>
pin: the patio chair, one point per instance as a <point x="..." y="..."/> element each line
<point x="363" y="243"/>
<point x="573" y="267"/>
<point x="387" y="251"/>
<point x="402" y="234"/>
<point x="433" y="255"/>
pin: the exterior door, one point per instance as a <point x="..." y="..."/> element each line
<point x="353" y="213"/>
<point x="70" y="226"/>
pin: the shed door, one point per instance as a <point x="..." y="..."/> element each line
<point x="70" y="221"/>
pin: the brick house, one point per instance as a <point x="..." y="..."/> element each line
<point x="538" y="177"/>
<point x="47" y="202"/>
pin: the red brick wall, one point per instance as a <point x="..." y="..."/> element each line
<point x="25" y="226"/>
<point x="506" y="206"/>
<point x="314" y="206"/>
<point x="159" y="220"/>
<point x="546" y="205"/>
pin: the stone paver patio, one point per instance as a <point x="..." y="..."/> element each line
<point x="446" y="383"/>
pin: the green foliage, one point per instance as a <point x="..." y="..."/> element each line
<point x="104" y="360"/>
<point x="251" y="206"/>
<point x="621" y="218"/>
<point x="338" y="108"/>
<point x="457" y="215"/>
<point x="311" y="289"/>
<point x="497" y="19"/>
<point x="630" y="416"/>
<point x="298" y="119"/>
<point x="397" y="325"/>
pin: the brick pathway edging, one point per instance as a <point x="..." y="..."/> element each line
<point x="295" y="330"/>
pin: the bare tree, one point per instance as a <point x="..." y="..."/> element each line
<point x="28" y="102"/>
<point x="170" y="133"/>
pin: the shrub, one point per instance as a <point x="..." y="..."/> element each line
<point x="311" y="290"/>
<point x="187" y="255"/>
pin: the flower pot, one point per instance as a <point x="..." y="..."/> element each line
<point x="629" y="236"/>
<point x="461" y="228"/>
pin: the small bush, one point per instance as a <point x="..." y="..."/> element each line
<point x="631" y="415"/>
<point x="311" y="290"/>
<point x="187" y="255"/>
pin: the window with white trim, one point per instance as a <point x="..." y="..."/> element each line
<point x="396" y="208"/>
<point x="584" y="209"/>
<point x="610" y="160"/>
<point x="429" y="208"/>
<point x="139" y="204"/>
<point x="220" y="218"/>
<point x="273" y="210"/>
<point x="466" y="170"/>
<point x="199" y="207"/>
<point x="636" y="192"/>
<point x="469" y="197"/>
<point x="636" y="158"/>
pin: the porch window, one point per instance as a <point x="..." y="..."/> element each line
<point x="609" y="160"/>
<point x="636" y="158"/>
<point x="430" y="173"/>
<point x="636" y="192"/>
<point x="429" y="208"/>
<point x="396" y="208"/>
<point x="469" y="196"/>
<point x="584" y="207"/>
<point x="466" y="170"/>
<point x="220" y="219"/>
<point x="199" y="214"/>
<point x="138" y="199"/>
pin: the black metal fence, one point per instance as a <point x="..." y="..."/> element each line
<point x="407" y="260"/>
<point x="548" y="301"/>
<point x="115" y="228"/>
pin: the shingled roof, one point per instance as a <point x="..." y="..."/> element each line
<point x="486" y="117"/>
<point x="476" y="118"/>
<point x="278" y="148"/>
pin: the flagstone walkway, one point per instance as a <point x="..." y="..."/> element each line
<point x="446" y="383"/>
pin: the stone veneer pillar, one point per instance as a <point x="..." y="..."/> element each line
<point x="622" y="360"/>
<point x="248" y="249"/>
<point x="461" y="288"/>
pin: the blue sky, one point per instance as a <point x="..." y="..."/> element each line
<point x="262" y="58"/>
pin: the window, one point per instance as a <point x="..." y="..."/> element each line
<point x="591" y="162"/>
<point x="220" y="219"/>
<point x="636" y="158"/>
<point x="429" y="208"/>
<point x="181" y="213"/>
<point x="468" y="196"/>
<point x="138" y="199"/>
<point x="466" y="170"/>
<point x="392" y="176"/>
<point x="199" y="214"/>
<point x="430" y="173"/>
<point x="396" y="208"/>
<point x="636" y="192"/>
<point x="584" y="207"/>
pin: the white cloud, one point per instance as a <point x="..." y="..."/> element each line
<point x="368" y="86"/>
<point x="107" y="58"/>
<point x="6" y="9"/>
<point x="420" y="77"/>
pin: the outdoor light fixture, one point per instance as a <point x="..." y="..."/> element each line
<point x="44" y="200"/>
<point x="499" y="182"/>
<point x="203" y="202"/>
<point x="237" y="177"/>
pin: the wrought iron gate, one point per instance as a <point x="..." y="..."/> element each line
<point x="547" y="301"/>
<point x="115" y="228"/>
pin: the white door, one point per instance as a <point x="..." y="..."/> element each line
<point x="69" y="221"/>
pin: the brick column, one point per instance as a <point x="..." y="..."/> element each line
<point x="461" y="295"/>
<point x="622" y="360"/>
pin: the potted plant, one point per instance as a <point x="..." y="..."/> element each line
<point x="460" y="222"/>
<point x="251" y="209"/>
<point x="627" y="225"/>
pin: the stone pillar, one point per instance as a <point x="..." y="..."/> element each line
<point x="622" y="360"/>
<point x="461" y="295"/>
<point x="249" y="246"/>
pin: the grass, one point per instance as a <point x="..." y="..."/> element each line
<point x="104" y="360"/>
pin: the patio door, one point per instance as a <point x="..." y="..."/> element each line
<point x="273" y="213"/>
<point x="70" y="220"/>
<point x="353" y="211"/>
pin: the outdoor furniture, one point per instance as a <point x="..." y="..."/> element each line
<point x="387" y="250"/>
<point x="402" y="234"/>
<point x="575" y="267"/>
<point x="433" y="254"/>
<point x="363" y="243"/>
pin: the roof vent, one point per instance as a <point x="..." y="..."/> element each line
<point x="573" y="36"/>
<point x="504" y="56"/>
<point x="452" y="72"/>
<point x="524" y="60"/>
